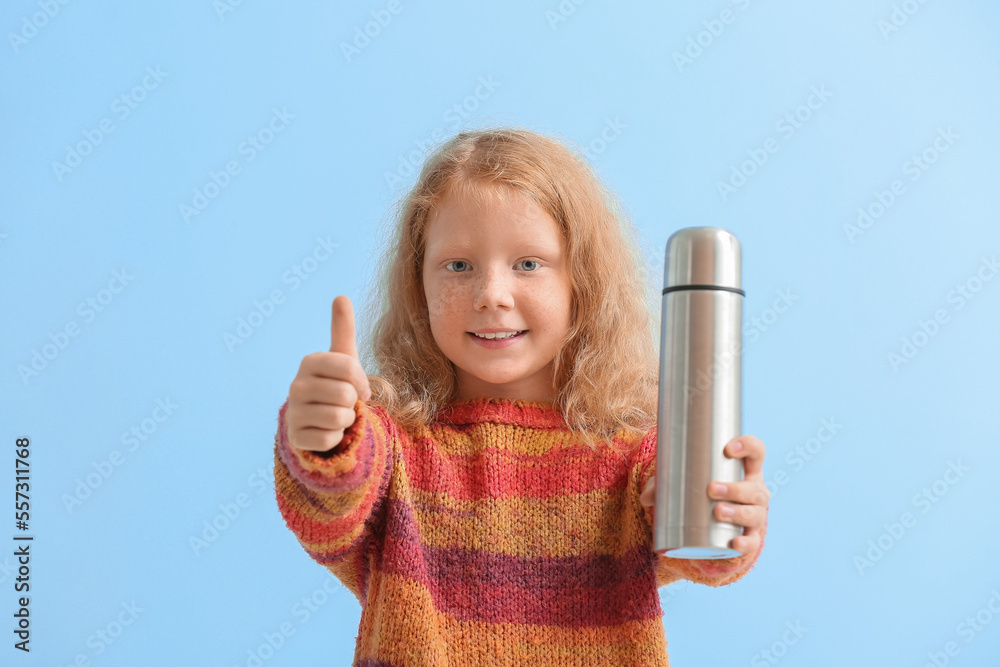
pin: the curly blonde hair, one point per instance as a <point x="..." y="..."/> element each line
<point x="606" y="372"/>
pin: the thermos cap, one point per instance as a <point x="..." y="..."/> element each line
<point x="708" y="256"/>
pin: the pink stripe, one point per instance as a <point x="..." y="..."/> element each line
<point x="503" y="411"/>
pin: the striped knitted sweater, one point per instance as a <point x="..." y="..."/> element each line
<point x="490" y="536"/>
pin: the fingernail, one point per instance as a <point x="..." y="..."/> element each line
<point x="737" y="446"/>
<point x="718" y="488"/>
<point x="726" y="511"/>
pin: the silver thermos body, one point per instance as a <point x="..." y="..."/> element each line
<point x="700" y="407"/>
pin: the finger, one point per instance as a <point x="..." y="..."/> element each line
<point x="326" y="375"/>
<point x="747" y="492"/>
<point x="751" y="450"/>
<point x="342" y="333"/>
<point x="648" y="495"/>
<point x="326" y="417"/>
<point x="747" y="543"/>
<point x="751" y="516"/>
<point x="317" y="440"/>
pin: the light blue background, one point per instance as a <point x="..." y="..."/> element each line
<point x="324" y="175"/>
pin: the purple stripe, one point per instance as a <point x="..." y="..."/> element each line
<point x="487" y="567"/>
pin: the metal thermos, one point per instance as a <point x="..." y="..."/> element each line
<point x="700" y="406"/>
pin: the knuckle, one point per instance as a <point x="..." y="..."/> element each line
<point x="297" y="387"/>
<point x="346" y="395"/>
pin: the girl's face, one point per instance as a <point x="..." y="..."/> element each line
<point x="500" y="268"/>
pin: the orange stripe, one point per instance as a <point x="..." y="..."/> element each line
<point x="409" y="626"/>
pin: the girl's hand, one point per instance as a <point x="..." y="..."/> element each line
<point x="748" y="500"/>
<point x="323" y="394"/>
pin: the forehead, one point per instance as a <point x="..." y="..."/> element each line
<point x="461" y="220"/>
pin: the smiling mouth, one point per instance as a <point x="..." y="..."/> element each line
<point x="499" y="336"/>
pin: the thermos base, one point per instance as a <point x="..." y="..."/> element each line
<point x="701" y="553"/>
<point x="701" y="542"/>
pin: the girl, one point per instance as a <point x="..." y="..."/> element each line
<point x="488" y="496"/>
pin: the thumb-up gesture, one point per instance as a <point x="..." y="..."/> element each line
<point x="322" y="396"/>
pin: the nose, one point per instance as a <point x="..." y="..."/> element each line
<point x="493" y="289"/>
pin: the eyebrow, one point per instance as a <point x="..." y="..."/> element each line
<point x="453" y="246"/>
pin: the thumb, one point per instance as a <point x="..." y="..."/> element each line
<point x="343" y="338"/>
<point x="342" y="333"/>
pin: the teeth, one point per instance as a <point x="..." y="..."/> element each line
<point x="491" y="336"/>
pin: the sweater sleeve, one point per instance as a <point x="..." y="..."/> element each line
<point x="710" y="572"/>
<point x="328" y="499"/>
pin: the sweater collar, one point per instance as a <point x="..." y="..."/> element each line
<point x="532" y="414"/>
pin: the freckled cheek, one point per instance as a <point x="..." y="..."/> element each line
<point x="556" y="307"/>
<point x="443" y="307"/>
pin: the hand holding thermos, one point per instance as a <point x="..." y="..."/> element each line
<point x="748" y="499"/>
<point x="700" y="409"/>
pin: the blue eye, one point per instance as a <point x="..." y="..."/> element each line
<point x="460" y="261"/>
